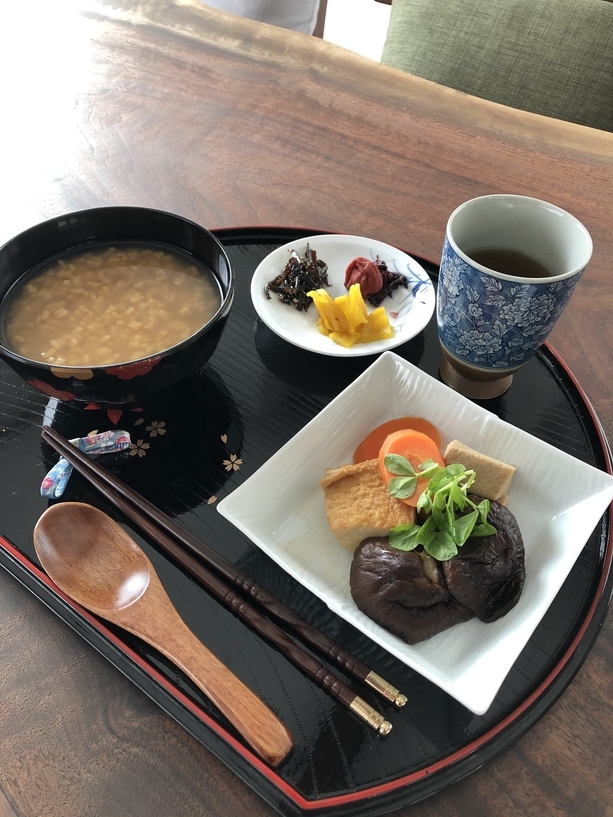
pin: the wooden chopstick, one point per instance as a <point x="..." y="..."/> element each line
<point x="231" y="573"/>
<point x="165" y="532"/>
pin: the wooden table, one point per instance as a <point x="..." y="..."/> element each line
<point x="231" y="123"/>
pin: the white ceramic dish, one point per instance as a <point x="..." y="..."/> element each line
<point x="409" y="310"/>
<point x="556" y="498"/>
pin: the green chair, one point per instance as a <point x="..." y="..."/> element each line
<point x="552" y="57"/>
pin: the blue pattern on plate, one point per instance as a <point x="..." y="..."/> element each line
<point x="404" y="299"/>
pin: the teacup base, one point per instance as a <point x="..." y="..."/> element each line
<point x="478" y="384"/>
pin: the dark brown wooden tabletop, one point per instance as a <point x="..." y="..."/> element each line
<point x="232" y="123"/>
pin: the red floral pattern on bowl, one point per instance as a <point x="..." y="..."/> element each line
<point x="50" y="391"/>
<point x="131" y="370"/>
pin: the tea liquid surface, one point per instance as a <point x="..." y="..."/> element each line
<point x="511" y="262"/>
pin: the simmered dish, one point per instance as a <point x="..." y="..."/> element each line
<point x="427" y="554"/>
<point x="104" y="306"/>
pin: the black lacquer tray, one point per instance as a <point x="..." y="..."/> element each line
<point x="194" y="445"/>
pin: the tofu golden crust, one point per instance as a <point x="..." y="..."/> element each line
<point x="493" y="478"/>
<point x="358" y="504"/>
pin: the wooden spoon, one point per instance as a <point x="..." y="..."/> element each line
<point x="94" y="561"/>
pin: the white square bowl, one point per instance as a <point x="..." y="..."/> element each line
<point x="557" y="500"/>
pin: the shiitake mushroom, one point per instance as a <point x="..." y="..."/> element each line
<point x="415" y="597"/>
<point x="488" y="573"/>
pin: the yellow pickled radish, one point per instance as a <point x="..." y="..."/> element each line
<point x="377" y="327"/>
<point x="346" y="339"/>
<point x="346" y="320"/>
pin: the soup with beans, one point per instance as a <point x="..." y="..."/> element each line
<point x="104" y="306"/>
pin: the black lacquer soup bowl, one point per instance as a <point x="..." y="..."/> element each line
<point x="135" y="380"/>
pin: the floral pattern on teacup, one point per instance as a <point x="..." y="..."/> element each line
<point x="492" y="322"/>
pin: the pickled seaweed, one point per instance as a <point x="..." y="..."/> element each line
<point x="300" y="276"/>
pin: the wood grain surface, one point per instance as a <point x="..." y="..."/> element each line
<point x="95" y="562"/>
<point x="234" y="123"/>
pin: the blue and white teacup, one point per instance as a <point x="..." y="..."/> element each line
<point x="509" y="267"/>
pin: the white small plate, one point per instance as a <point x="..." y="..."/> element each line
<point x="556" y="498"/>
<point x="409" y="310"/>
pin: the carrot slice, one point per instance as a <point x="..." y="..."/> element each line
<point x="417" y="448"/>
<point x="370" y="446"/>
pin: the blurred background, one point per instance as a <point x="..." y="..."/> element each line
<point x="359" y="25"/>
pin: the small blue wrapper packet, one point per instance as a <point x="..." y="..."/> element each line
<point x="108" y="442"/>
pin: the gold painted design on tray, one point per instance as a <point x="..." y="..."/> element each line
<point x="140" y="448"/>
<point x="233" y="464"/>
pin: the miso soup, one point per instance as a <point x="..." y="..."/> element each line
<point x="109" y="305"/>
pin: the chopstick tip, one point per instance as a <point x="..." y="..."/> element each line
<point x="384" y="688"/>
<point x="370" y="716"/>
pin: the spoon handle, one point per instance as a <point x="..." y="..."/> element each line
<point x="164" y="629"/>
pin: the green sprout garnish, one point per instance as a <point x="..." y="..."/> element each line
<point x="444" y="531"/>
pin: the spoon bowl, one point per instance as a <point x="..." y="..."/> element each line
<point x="95" y="562"/>
<point x="107" y="578"/>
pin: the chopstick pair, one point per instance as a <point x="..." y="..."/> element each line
<point x="167" y="534"/>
